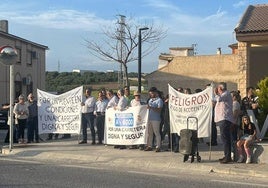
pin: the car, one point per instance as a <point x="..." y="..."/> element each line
<point x="3" y="119"/>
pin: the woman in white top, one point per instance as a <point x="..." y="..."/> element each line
<point x="21" y="112"/>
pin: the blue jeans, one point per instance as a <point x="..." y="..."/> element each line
<point x="225" y="130"/>
<point x="88" y="119"/>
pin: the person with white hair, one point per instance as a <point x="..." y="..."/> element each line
<point x="21" y="112"/>
<point x="224" y="118"/>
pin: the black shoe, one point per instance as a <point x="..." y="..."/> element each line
<point x="141" y="148"/>
<point x="123" y="147"/>
<point x="185" y="158"/>
<point x="225" y="161"/>
<point x="83" y="142"/>
<point x="93" y="143"/>
<point x="133" y="147"/>
<point x="222" y="159"/>
<point x="116" y="147"/>
<point x="148" y="148"/>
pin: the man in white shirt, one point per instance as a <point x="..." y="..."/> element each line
<point x="99" y="112"/>
<point x="113" y="99"/>
<point x="88" y="106"/>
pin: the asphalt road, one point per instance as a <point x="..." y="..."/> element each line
<point x="18" y="173"/>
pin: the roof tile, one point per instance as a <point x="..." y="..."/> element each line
<point x="254" y="20"/>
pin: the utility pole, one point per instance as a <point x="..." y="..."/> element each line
<point x="139" y="58"/>
<point x="121" y="33"/>
<point x="58" y="66"/>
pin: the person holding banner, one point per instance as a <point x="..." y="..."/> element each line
<point x="224" y="118"/>
<point x="136" y="102"/>
<point x="155" y="105"/>
<point x="113" y="99"/>
<point x="137" y="99"/>
<point x="127" y="95"/>
<point x="21" y="112"/>
<point x="99" y="112"/>
<point x="88" y="106"/>
<point x="32" y="122"/>
<point x="122" y="105"/>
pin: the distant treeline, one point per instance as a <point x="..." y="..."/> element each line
<point x="65" y="81"/>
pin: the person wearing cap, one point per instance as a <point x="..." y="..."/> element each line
<point x="137" y="99"/>
<point x="21" y="112"/>
<point x="135" y="102"/>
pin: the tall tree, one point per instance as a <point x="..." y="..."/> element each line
<point x="120" y="42"/>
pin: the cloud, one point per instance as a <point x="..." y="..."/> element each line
<point x="240" y="4"/>
<point x="163" y="5"/>
<point x="57" y="19"/>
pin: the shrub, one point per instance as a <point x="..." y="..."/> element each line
<point x="262" y="94"/>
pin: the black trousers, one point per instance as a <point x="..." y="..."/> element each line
<point x="100" y="120"/>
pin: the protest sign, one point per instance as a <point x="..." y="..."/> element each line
<point x="59" y="113"/>
<point x="126" y="127"/>
<point x="183" y="106"/>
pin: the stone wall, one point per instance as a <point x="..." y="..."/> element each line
<point x="196" y="71"/>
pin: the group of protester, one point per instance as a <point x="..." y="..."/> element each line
<point x="25" y="116"/>
<point x="229" y="114"/>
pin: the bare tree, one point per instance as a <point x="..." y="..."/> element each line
<point x="119" y="43"/>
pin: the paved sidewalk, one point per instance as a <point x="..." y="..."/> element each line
<point x="68" y="151"/>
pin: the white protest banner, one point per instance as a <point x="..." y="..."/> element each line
<point x="183" y="106"/>
<point x="126" y="127"/>
<point x="59" y="113"/>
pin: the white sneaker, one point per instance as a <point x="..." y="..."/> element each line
<point x="248" y="160"/>
<point x="241" y="158"/>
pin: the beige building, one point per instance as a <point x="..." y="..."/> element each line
<point x="29" y="70"/>
<point x="247" y="64"/>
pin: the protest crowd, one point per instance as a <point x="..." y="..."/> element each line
<point x="229" y="114"/>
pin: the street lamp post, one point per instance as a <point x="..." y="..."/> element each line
<point x="139" y="58"/>
<point x="8" y="56"/>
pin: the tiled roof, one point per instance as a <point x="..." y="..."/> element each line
<point x="254" y="20"/>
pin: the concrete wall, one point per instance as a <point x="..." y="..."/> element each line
<point x="196" y="71"/>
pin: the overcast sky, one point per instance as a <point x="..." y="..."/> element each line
<point x="62" y="25"/>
